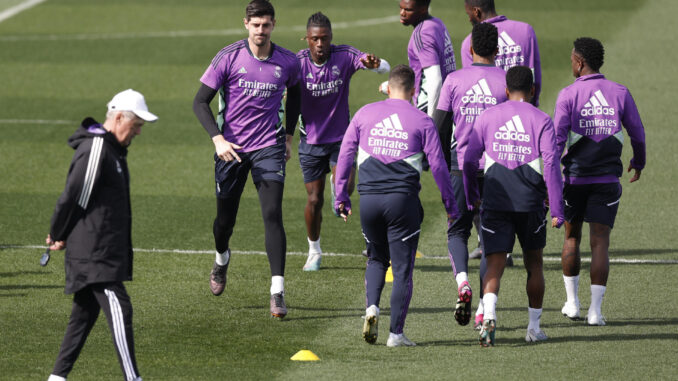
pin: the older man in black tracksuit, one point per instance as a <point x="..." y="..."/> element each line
<point x="93" y="221"/>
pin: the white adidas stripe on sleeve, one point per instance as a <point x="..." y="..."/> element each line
<point x="90" y="174"/>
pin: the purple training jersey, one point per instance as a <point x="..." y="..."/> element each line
<point x="391" y="138"/>
<point x="324" y="94"/>
<point x="514" y="137"/>
<point x="588" y="117"/>
<point x="429" y="45"/>
<point x="251" y="93"/>
<point x="467" y="93"/>
<point x="517" y="47"/>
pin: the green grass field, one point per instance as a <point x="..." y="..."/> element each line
<point x="64" y="59"/>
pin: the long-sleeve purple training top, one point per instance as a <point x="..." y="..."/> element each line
<point x="514" y="137"/>
<point x="467" y="93"/>
<point x="391" y="138"/>
<point x="251" y="93"/>
<point x="430" y="44"/>
<point x="324" y="94"/>
<point x="588" y="118"/>
<point x="517" y="47"/>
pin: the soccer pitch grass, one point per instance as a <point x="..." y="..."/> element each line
<point x="63" y="60"/>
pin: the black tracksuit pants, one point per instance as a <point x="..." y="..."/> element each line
<point x="113" y="299"/>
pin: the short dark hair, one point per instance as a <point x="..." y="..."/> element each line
<point x="519" y="78"/>
<point x="484" y="39"/>
<point x="259" y="8"/>
<point x="423" y="3"/>
<point x="318" y="19"/>
<point x="487" y="6"/>
<point x="401" y="77"/>
<point x="591" y="50"/>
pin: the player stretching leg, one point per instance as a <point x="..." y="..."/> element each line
<point x="465" y="95"/>
<point x="251" y="76"/>
<point x="326" y="72"/>
<point x="391" y="138"/>
<point x="514" y="136"/>
<point x="588" y="117"/>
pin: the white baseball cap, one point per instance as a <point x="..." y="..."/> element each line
<point x="130" y="100"/>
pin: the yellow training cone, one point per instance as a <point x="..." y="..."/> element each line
<point x="304" y="355"/>
<point x="419" y="254"/>
<point x="389" y="275"/>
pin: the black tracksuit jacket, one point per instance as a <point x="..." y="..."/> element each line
<point x="93" y="214"/>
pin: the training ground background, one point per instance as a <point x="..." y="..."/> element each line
<point x="62" y="60"/>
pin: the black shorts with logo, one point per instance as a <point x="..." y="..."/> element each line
<point x="501" y="228"/>
<point x="596" y="203"/>
<point x="265" y="164"/>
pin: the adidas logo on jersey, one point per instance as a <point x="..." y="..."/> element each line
<point x="597" y="105"/>
<point x="309" y="76"/>
<point x="242" y="71"/>
<point x="479" y="93"/>
<point x="390" y="128"/>
<point x="513" y="130"/>
<point x="507" y="45"/>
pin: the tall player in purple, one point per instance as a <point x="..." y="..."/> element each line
<point x="391" y="138"/>
<point x="589" y="116"/>
<point x="326" y="72"/>
<point x="465" y="95"/>
<point x="517" y="41"/>
<point x="430" y="52"/>
<point x="514" y="136"/>
<point x="251" y="76"/>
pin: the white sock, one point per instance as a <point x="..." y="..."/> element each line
<point x="597" y="294"/>
<point x="55" y="378"/>
<point x="314" y="246"/>
<point x="223" y="258"/>
<point x="490" y="305"/>
<point x="535" y="316"/>
<point x="572" y="289"/>
<point x="277" y="284"/>
<point x="393" y="336"/>
<point x="480" y="309"/>
<point x="461" y="278"/>
<point x="374" y="306"/>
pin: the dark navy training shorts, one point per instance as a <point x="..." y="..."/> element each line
<point x="596" y="203"/>
<point x="266" y="164"/>
<point x="317" y="159"/>
<point x="501" y="228"/>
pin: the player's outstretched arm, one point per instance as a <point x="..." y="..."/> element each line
<point x="375" y="63"/>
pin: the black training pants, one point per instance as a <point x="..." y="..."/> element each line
<point x="112" y="298"/>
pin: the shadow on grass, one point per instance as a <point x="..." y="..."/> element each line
<point x="520" y="342"/>
<point x="28" y="287"/>
<point x="19" y="273"/>
<point x="621" y="253"/>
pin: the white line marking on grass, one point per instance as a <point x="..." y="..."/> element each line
<point x="246" y="252"/>
<point x="186" y="33"/>
<point x="34" y="121"/>
<point x="13" y="11"/>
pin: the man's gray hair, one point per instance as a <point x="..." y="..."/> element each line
<point x="125" y="114"/>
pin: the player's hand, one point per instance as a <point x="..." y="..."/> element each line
<point x="343" y="211"/>
<point x="557" y="222"/>
<point x="288" y="147"/>
<point x="226" y="150"/>
<point x="450" y="219"/>
<point x="636" y="175"/>
<point x="371" y="61"/>
<point x="54" y="245"/>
